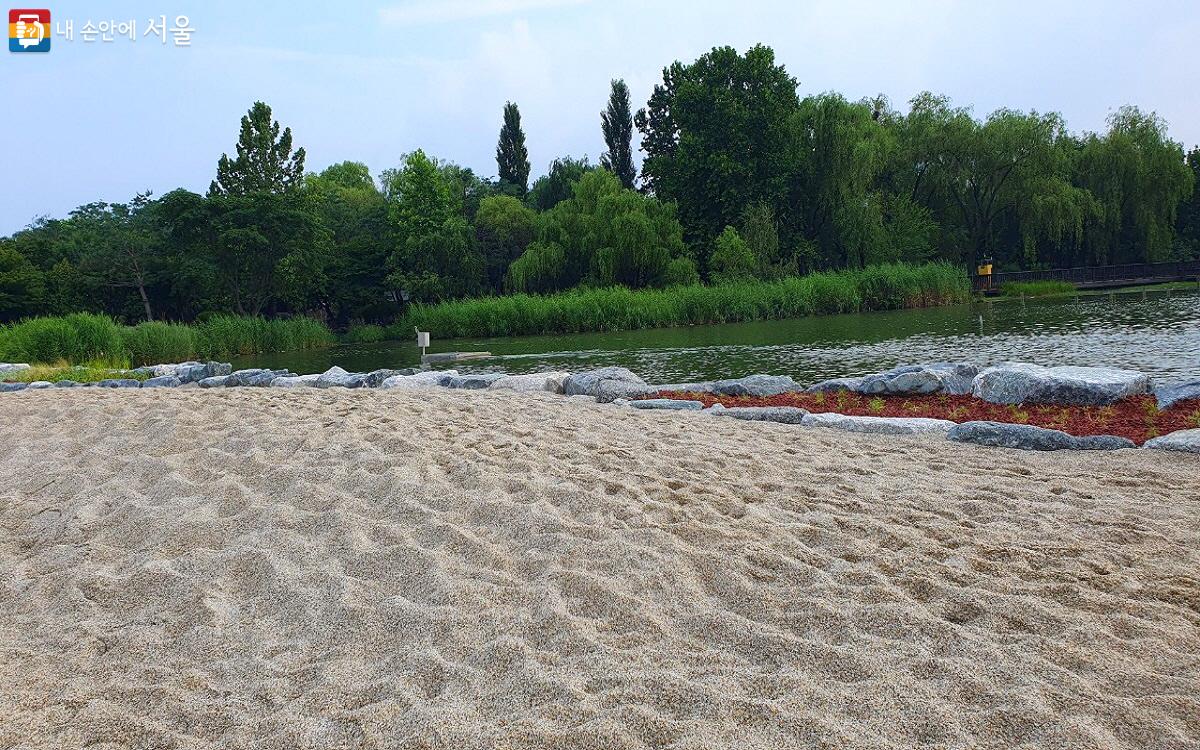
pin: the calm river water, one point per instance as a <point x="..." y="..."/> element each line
<point x="1156" y="332"/>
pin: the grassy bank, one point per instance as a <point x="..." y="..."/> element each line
<point x="85" y="338"/>
<point x="1037" y="288"/>
<point x="885" y="287"/>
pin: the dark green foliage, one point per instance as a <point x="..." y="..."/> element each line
<point x="732" y="260"/>
<point x="616" y="123"/>
<point x="558" y="184"/>
<point x="718" y="136"/>
<point x="512" y="158"/>
<point x="1188" y="222"/>
<point x="504" y="227"/>
<point x="264" y="162"/>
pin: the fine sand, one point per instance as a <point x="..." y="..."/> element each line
<point x="345" y="569"/>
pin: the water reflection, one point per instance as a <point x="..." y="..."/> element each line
<point x="1158" y="333"/>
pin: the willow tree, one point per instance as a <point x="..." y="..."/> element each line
<point x="1138" y="177"/>
<point x="839" y="151"/>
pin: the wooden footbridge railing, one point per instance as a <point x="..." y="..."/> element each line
<point x="1096" y="277"/>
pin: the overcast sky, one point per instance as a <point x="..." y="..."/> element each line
<point x="370" y="81"/>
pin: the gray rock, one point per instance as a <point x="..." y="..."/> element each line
<point x="375" y="378"/>
<point x="1029" y="437"/>
<point x="835" y="384"/>
<point x="12" y="387"/>
<point x="475" y="381"/>
<point x="254" y="377"/>
<point x="1184" y="441"/>
<point x="66" y="384"/>
<point x="938" y="377"/>
<point x="119" y="383"/>
<point x="1169" y="394"/>
<point x="13" y="366"/>
<point x="704" y="386"/>
<point x="194" y="372"/>
<point x="534" y="381"/>
<point x="427" y="379"/>
<point x="781" y="414"/>
<point x="336" y="377"/>
<point x="608" y="391"/>
<point x="667" y="403"/>
<point x="589" y="383"/>
<point x="1020" y="383"/>
<point x="38" y="385"/>
<point x="215" y="381"/>
<point x="295" y="381"/>
<point x="757" y="385"/>
<point x="162" y="381"/>
<point x="878" y="425"/>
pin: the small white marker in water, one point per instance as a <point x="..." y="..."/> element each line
<point x="422" y="341"/>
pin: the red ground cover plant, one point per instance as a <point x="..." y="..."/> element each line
<point x="1137" y="418"/>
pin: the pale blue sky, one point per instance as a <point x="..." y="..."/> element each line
<point x="369" y="81"/>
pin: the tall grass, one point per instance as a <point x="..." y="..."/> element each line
<point x="1036" y="288"/>
<point x="365" y="334"/>
<point x="83" y="337"/>
<point x="884" y="287"/>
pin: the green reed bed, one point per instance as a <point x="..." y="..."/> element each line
<point x="86" y="338"/>
<point x="884" y="287"/>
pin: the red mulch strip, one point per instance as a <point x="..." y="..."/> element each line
<point x="1137" y="418"/>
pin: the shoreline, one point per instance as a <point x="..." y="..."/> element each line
<point x="347" y="568"/>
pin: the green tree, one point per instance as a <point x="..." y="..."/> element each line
<point x="248" y="253"/>
<point x="616" y="122"/>
<point x="732" y="259"/>
<point x="611" y="235"/>
<point x="351" y="208"/>
<point x="719" y="135"/>
<point x="840" y="149"/>
<point x="434" y="255"/>
<point x="558" y="184"/>
<point x="539" y="269"/>
<point x="761" y="233"/>
<point x="1139" y="177"/>
<point x="1188" y="223"/>
<point x="264" y="162"/>
<point x="22" y="285"/>
<point x="125" y="249"/>
<point x="512" y="159"/>
<point x="504" y="227"/>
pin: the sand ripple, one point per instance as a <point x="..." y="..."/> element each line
<point x="343" y="569"/>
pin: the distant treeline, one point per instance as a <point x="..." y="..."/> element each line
<point x="743" y="180"/>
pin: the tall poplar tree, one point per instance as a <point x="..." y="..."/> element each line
<point x="512" y="159"/>
<point x="617" y="123"/>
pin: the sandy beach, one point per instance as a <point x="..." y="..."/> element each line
<point x="277" y="568"/>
